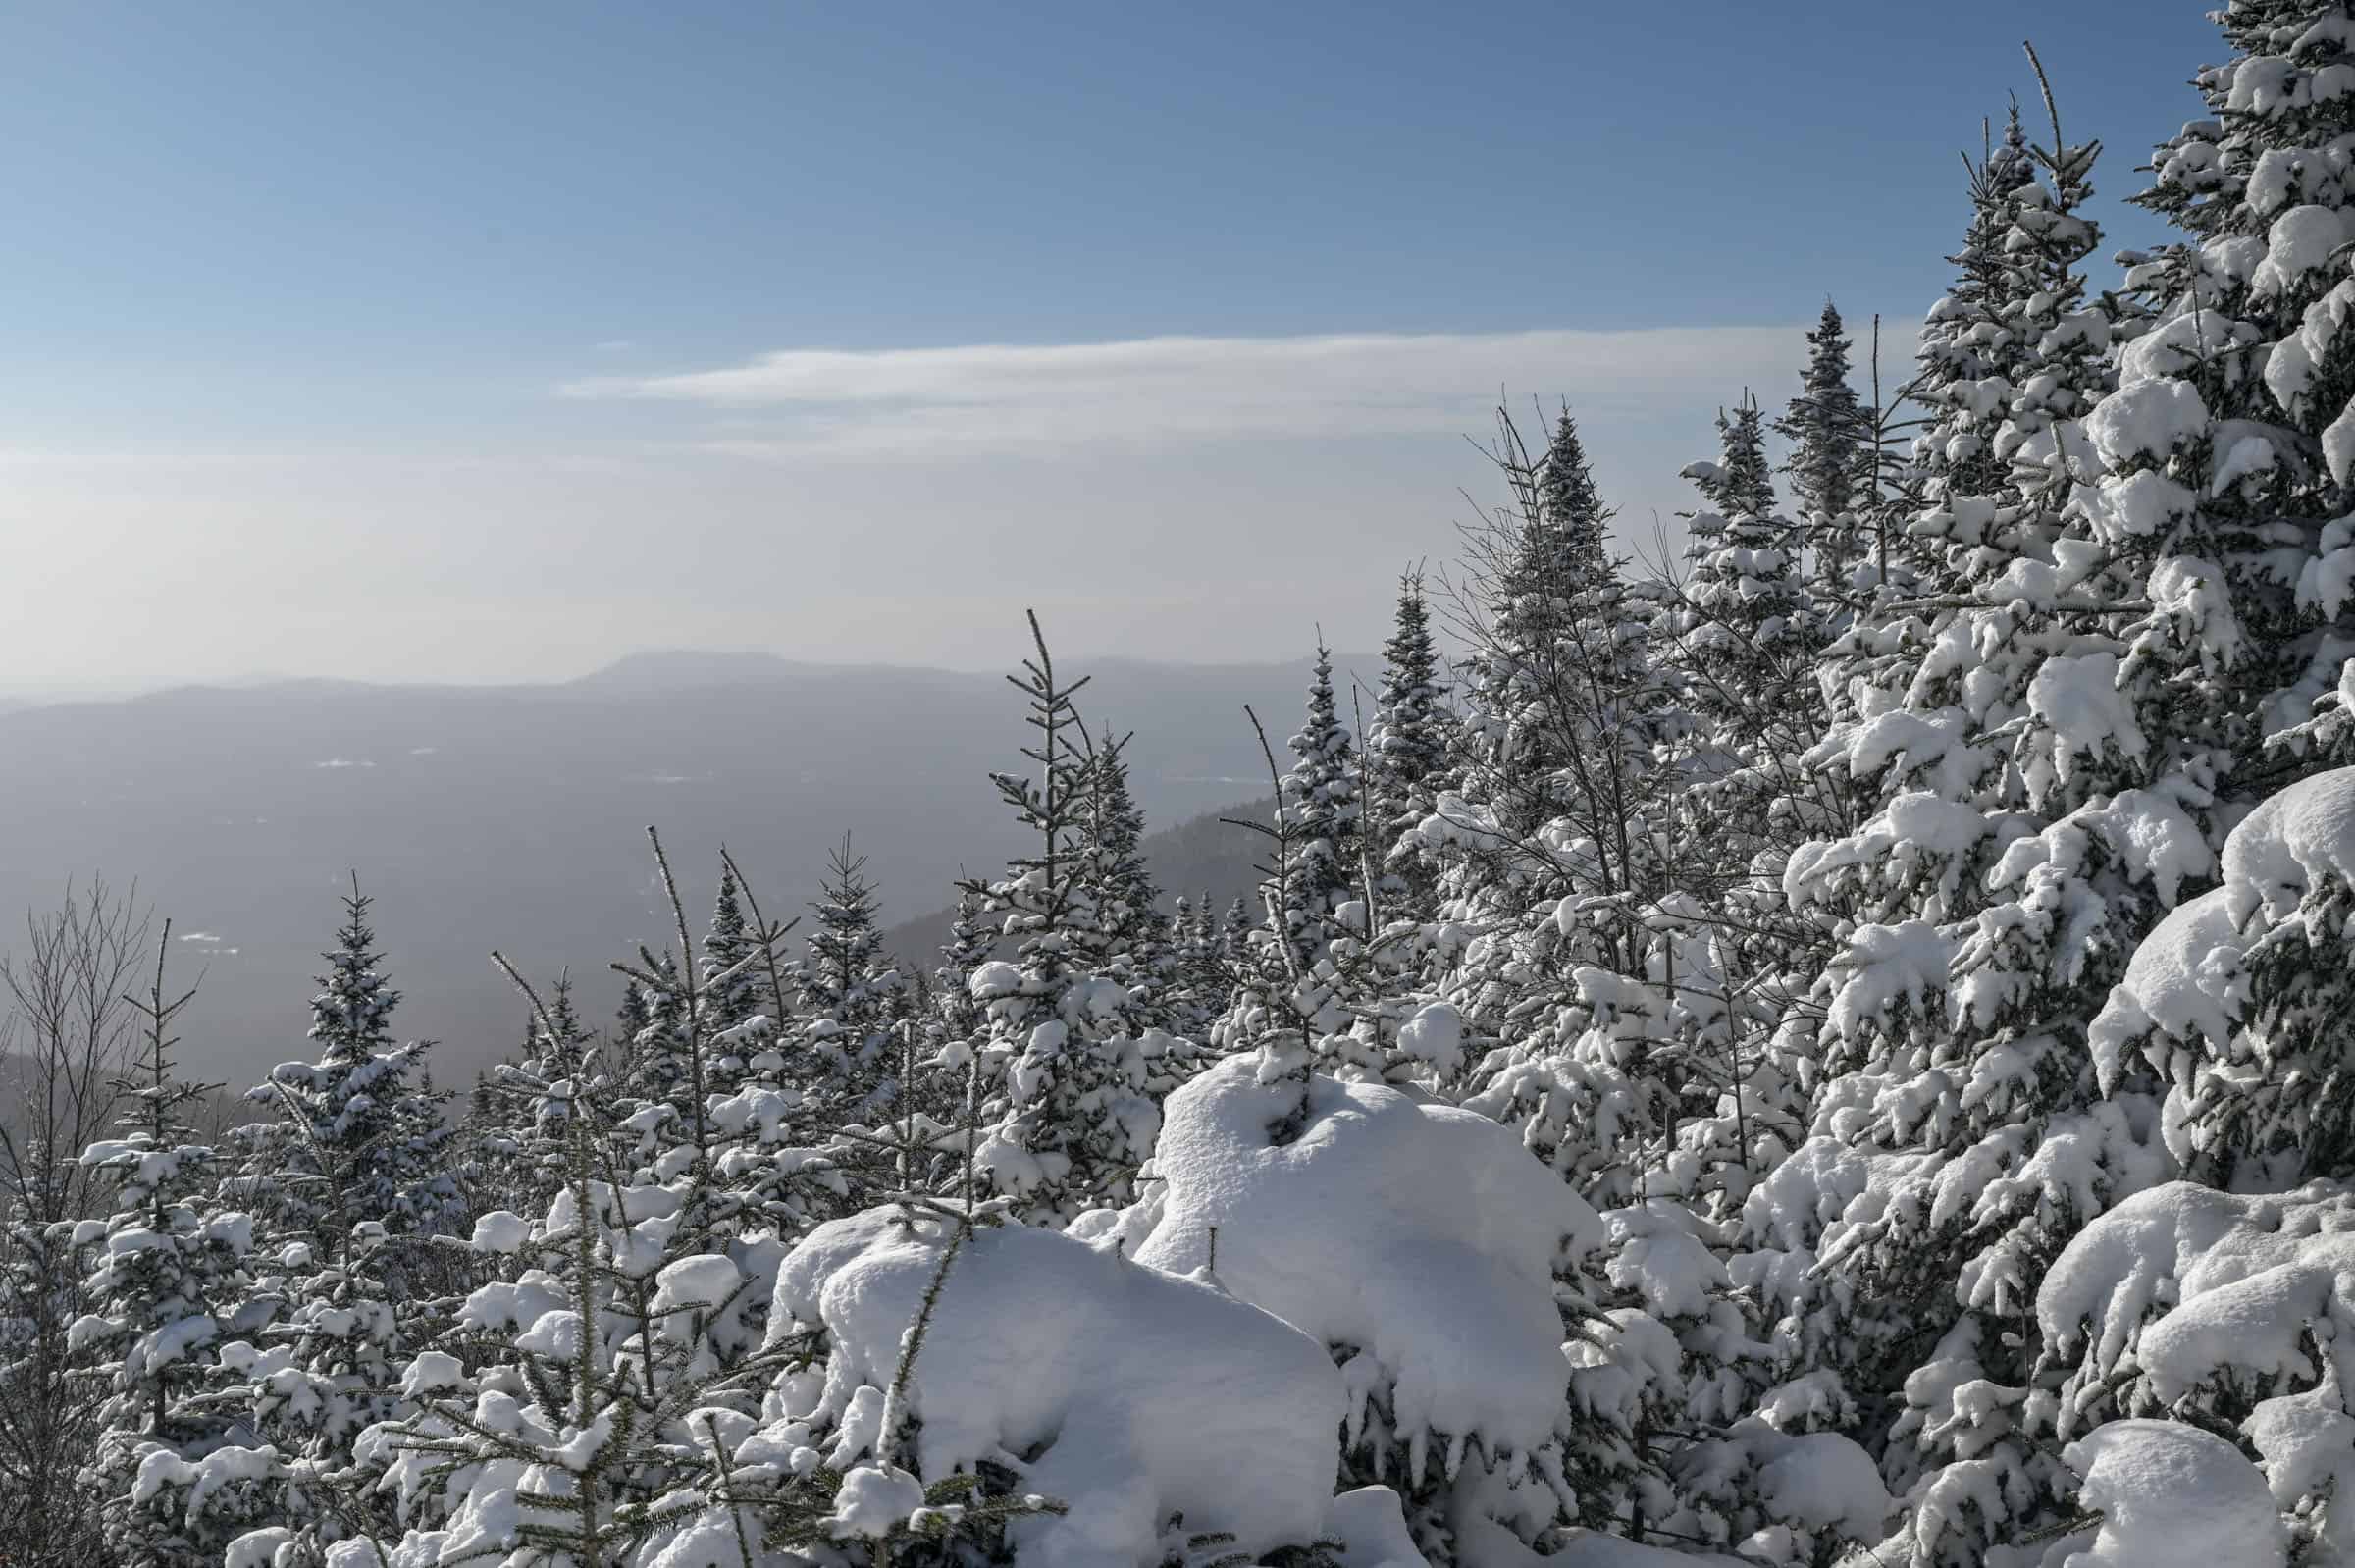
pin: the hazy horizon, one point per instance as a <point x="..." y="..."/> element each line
<point x="631" y="334"/>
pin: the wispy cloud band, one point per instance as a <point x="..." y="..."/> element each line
<point x="1005" y="397"/>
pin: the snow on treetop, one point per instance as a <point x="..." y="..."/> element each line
<point x="1152" y="1395"/>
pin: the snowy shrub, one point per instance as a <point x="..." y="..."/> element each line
<point x="1418" y="1241"/>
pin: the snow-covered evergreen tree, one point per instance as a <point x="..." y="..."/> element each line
<point x="1134" y="938"/>
<point x="2038" y="814"/>
<point x="166" y="1278"/>
<point x="851" y="996"/>
<point x="1828" y="428"/>
<point x="1321" y="793"/>
<point x="1061" y="1054"/>
<point x="1408" y="744"/>
<point x="357" y="1139"/>
<point x="731" y="980"/>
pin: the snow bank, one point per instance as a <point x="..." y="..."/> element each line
<point x="1423" y="1236"/>
<point x="1151" y="1394"/>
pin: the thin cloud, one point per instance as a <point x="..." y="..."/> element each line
<point x="1172" y="391"/>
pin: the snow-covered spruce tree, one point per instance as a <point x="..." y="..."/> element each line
<point x="1199" y="986"/>
<point x="2226" y="453"/>
<point x="593" y="1396"/>
<point x="1135" y="937"/>
<point x="1744" y="635"/>
<point x="2226" y="1302"/>
<point x="1407" y="745"/>
<point x="660" y="1065"/>
<point x="1828" y="428"/>
<point x="1558" y="838"/>
<point x="1234" y="935"/>
<point x="521" y="1107"/>
<point x="851" y="996"/>
<point x="731" y="980"/>
<point x="2041" y="807"/>
<point x="1283" y="1007"/>
<point x="357" y="1141"/>
<point x="167" y="1274"/>
<point x="349" y="1184"/>
<point x="1321" y="793"/>
<point x="955" y="1016"/>
<point x="2230" y="441"/>
<point x="1062" y="1057"/>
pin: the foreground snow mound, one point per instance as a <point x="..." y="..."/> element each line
<point x="1423" y="1236"/>
<point x="2172" y="1496"/>
<point x="1149" y="1394"/>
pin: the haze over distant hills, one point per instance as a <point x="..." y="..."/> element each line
<point x="515" y="815"/>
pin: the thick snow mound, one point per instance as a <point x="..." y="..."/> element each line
<point x="1420" y="1235"/>
<point x="2184" y="1285"/>
<point x="1152" y="1395"/>
<point x="2172" y="1496"/>
<point x="2299" y="839"/>
<point x="2184" y="978"/>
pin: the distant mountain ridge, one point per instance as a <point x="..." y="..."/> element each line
<point x="515" y="816"/>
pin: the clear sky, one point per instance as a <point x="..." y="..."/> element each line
<point x="487" y="341"/>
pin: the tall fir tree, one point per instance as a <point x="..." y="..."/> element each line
<point x="1321" y="793"/>
<point x="1070" y="1120"/>
<point x="1828" y="428"/>
<point x="731" y="976"/>
<point x="357" y="1139"/>
<point x="1408" y="745"/>
<point x="851" y="997"/>
<point x="2032" y="826"/>
<point x="1134" y="936"/>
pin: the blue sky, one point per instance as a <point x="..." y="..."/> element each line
<point x="432" y="297"/>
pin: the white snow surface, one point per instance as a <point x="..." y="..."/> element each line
<point x="1152" y="1394"/>
<point x="1422" y="1235"/>
<point x="2172" y="1496"/>
<point x="2298" y="839"/>
<point x="2184" y="978"/>
<point x="2190" y="1284"/>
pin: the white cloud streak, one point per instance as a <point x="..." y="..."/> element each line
<point x="981" y="398"/>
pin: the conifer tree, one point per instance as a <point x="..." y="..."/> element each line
<point x="2033" y="825"/>
<point x="357" y="1140"/>
<point x="730" y="980"/>
<point x="1066" y="1073"/>
<point x="1746" y="629"/>
<point x="850" y="995"/>
<point x="1134" y="939"/>
<point x="168" y="1272"/>
<point x="1321" y="793"/>
<point x="1408" y="745"/>
<point x="1826" y="425"/>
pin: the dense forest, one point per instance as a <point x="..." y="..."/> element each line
<point x="1826" y="1040"/>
